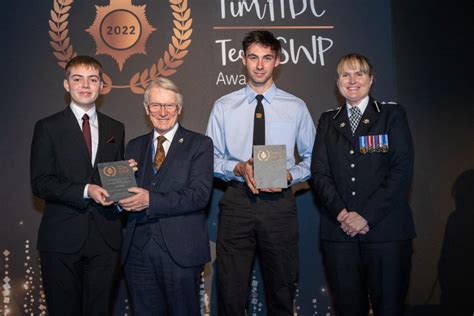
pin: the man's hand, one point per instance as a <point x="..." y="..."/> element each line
<point x="274" y="190"/>
<point x="352" y="223"/>
<point x="98" y="194"/>
<point x="137" y="202"/>
<point x="133" y="164"/>
<point x="245" y="170"/>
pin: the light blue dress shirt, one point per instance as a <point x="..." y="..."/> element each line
<point x="287" y="122"/>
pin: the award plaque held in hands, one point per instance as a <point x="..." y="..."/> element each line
<point x="116" y="178"/>
<point x="269" y="166"/>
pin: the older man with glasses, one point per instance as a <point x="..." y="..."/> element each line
<point x="166" y="242"/>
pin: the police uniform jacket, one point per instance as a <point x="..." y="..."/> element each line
<point x="374" y="184"/>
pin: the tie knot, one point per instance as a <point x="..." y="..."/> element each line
<point x="259" y="98"/>
<point x="161" y="140"/>
<point x="85" y="117"/>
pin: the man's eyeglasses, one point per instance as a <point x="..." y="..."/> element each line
<point x="155" y="107"/>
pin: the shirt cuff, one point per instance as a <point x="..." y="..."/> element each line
<point x="85" y="194"/>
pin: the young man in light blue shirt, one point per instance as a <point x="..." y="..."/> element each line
<point x="255" y="220"/>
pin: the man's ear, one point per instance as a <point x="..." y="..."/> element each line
<point x="66" y="85"/>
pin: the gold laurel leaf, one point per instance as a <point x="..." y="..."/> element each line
<point x="63" y="26"/>
<point x="65" y="2"/>
<point x="160" y="65"/>
<point x="134" y="79"/>
<point x="177" y="33"/>
<point x="60" y="56"/>
<point x="175" y="41"/>
<point x="54" y="36"/>
<point x="54" y="16"/>
<point x="167" y="58"/>
<point x="175" y="8"/>
<point x="171" y="50"/>
<point x="63" y="35"/>
<point x="63" y="18"/>
<point x="66" y="42"/>
<point x="107" y="84"/>
<point x="63" y="10"/>
<point x="178" y="16"/>
<point x="69" y="52"/>
<point x="187" y="14"/>
<point x="53" y="26"/>
<point x="153" y="71"/>
<point x="74" y="55"/>
<point x="187" y="34"/>
<point x="137" y="90"/>
<point x="107" y="79"/>
<point x="188" y="24"/>
<point x="184" y="5"/>
<point x="56" y="6"/>
<point x="62" y="64"/>
<point x="143" y="78"/>
<point x="56" y="46"/>
<point x="175" y="63"/>
<point x="178" y="25"/>
<point x="175" y="1"/>
<point x="181" y="54"/>
<point x="183" y="45"/>
<point x="167" y="72"/>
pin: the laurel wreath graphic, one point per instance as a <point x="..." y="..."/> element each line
<point x="166" y="65"/>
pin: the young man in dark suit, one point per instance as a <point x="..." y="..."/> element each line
<point x="362" y="169"/>
<point x="79" y="237"/>
<point x="166" y="242"/>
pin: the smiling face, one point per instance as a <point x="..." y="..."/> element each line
<point x="162" y="108"/>
<point x="260" y="61"/>
<point x="83" y="84"/>
<point x="354" y="78"/>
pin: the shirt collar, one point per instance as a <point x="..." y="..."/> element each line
<point x="79" y="112"/>
<point x="168" y="135"/>
<point x="362" y="105"/>
<point x="268" y="95"/>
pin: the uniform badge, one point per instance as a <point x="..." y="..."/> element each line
<point x="366" y="121"/>
<point x="342" y="124"/>
<point x="373" y="144"/>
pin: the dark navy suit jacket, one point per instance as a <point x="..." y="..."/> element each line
<point x="373" y="184"/>
<point x="179" y="194"/>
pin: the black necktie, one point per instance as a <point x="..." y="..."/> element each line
<point x="259" y="122"/>
<point x="86" y="131"/>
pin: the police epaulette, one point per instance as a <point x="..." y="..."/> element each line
<point x="338" y="109"/>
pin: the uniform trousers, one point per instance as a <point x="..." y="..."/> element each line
<point x="358" y="272"/>
<point x="81" y="283"/>
<point x="263" y="224"/>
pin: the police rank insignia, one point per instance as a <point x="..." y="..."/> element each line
<point x="373" y="144"/>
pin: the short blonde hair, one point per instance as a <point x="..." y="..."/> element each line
<point x="355" y="61"/>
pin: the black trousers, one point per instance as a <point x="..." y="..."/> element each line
<point x="265" y="224"/>
<point x="359" y="271"/>
<point x="81" y="283"/>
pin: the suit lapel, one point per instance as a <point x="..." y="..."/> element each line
<point x="102" y="134"/>
<point x="368" y="119"/>
<point x="341" y="124"/>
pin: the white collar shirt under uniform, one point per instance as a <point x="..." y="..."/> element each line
<point x="287" y="122"/>
<point x="362" y="106"/>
